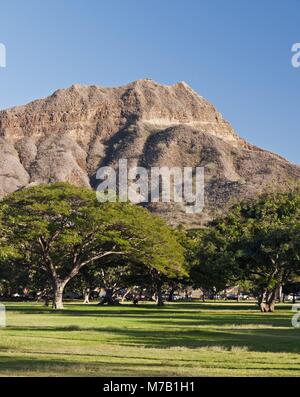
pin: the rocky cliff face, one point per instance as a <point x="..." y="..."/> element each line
<point x="69" y="135"/>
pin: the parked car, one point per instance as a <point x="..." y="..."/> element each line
<point x="290" y="297"/>
<point x="177" y="297"/>
<point x="72" y="295"/>
<point x="231" y="297"/>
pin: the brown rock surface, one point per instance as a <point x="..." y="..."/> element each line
<point x="70" y="134"/>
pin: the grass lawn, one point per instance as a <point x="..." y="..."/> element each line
<point x="194" y="339"/>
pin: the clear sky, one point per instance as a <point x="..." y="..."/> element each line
<point x="236" y="53"/>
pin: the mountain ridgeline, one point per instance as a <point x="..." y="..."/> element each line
<point x="70" y="134"/>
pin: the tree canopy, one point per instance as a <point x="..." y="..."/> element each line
<point x="62" y="228"/>
<point x="258" y="241"/>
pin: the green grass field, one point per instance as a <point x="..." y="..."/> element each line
<point x="194" y="339"/>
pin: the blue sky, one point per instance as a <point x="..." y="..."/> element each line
<point x="236" y="53"/>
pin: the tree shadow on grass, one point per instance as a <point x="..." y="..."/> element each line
<point x="184" y="323"/>
<point x="223" y="305"/>
<point x="59" y="367"/>
<point x="263" y="339"/>
<point x="172" y="318"/>
<point x="187" y="311"/>
<point x="176" y="325"/>
<point x="223" y="322"/>
<point x="184" y="316"/>
<point x="254" y="339"/>
<point x="18" y="366"/>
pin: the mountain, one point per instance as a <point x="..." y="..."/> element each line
<point x="70" y="134"/>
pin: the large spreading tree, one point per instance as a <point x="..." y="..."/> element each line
<point x="61" y="229"/>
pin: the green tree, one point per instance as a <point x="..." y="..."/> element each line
<point x="211" y="260"/>
<point x="63" y="228"/>
<point x="262" y="243"/>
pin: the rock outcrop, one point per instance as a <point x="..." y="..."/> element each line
<point x="70" y="134"/>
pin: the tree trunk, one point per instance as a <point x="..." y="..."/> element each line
<point x="271" y="305"/>
<point x="159" y="297"/>
<point x="46" y="300"/>
<point x="266" y="301"/>
<point x="280" y="294"/>
<point x="261" y="303"/>
<point x="44" y="295"/>
<point x="86" y="294"/>
<point x="58" y="295"/>
<point x="272" y="299"/>
<point x="171" y="295"/>
<point x="125" y="295"/>
<point x="109" y="296"/>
